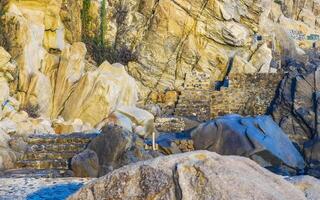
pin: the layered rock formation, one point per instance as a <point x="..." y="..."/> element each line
<point x="47" y="84"/>
<point x="162" y="43"/>
<point x="190" y="36"/>
<point x="195" y="59"/>
<point x="295" y="107"/>
<point x="168" y="40"/>
<point x="53" y="76"/>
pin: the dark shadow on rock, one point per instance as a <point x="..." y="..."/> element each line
<point x="113" y="148"/>
<point x="55" y="192"/>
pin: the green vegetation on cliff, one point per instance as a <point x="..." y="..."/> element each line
<point x="97" y="47"/>
<point x="103" y="24"/>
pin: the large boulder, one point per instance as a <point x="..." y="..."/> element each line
<point x="258" y="138"/>
<point x="195" y="175"/>
<point x="98" y="94"/>
<point x="85" y="164"/>
<point x="114" y="148"/>
<point x="105" y="91"/>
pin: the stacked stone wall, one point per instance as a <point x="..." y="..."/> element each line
<point x="247" y="94"/>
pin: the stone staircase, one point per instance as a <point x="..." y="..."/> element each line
<point x="50" y="155"/>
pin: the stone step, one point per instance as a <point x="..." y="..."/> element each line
<point x="43" y="164"/>
<point x="49" y="155"/>
<point x="37" y="173"/>
<point x="79" y="138"/>
<point x="195" y="96"/>
<point x="194" y="102"/>
<point x="36" y="148"/>
<point x="192" y="110"/>
<point x="191" y="106"/>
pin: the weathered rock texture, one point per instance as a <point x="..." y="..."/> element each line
<point x="166" y="40"/>
<point x="309" y="185"/>
<point x="164" y="44"/>
<point x="311" y="150"/>
<point x="295" y="107"/>
<point x="49" y="82"/>
<point x="172" y="39"/>
<point x="197" y="175"/>
<point x="53" y="79"/>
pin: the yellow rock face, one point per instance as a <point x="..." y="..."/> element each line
<point x="70" y="70"/>
<point x="173" y="38"/>
<point x="170" y="41"/>
<point x="99" y="93"/>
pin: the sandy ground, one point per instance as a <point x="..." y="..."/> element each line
<point x="39" y="188"/>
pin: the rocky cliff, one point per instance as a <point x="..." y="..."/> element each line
<point x="81" y="65"/>
<point x="160" y="42"/>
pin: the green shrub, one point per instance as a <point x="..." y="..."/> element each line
<point x="102" y="52"/>
<point x="97" y="47"/>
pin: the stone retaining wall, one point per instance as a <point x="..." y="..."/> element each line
<point x="247" y="94"/>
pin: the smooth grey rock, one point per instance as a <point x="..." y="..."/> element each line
<point x="259" y="138"/>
